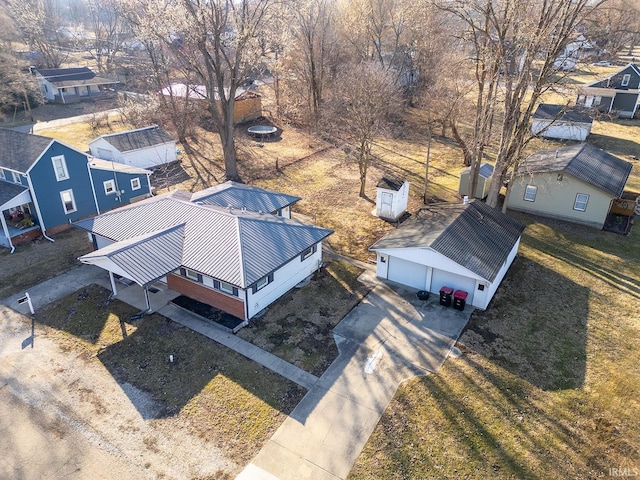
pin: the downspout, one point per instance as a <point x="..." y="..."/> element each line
<point x="142" y="313"/>
<point x="43" y="227"/>
<point x="6" y="232"/>
<point x="93" y="187"/>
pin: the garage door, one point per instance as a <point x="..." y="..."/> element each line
<point x="457" y="282"/>
<point x="407" y="273"/>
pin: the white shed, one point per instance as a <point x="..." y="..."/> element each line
<point x="485" y="174"/>
<point x="392" y="196"/>
<point x="563" y="123"/>
<point x="144" y="148"/>
<point x="467" y="247"/>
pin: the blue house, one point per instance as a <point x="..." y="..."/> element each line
<point x="45" y="185"/>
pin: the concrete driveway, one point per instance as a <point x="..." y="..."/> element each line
<point x="389" y="337"/>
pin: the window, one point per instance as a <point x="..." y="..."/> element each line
<point x="60" y="167"/>
<point x="530" y="193"/>
<point x="110" y="187"/>
<point x="308" y="252"/>
<point x="191" y="275"/>
<point x="135" y="184"/>
<point x="68" y="202"/>
<point x="228" y="288"/>
<point x="581" y="202"/>
<point x="481" y="287"/>
<point x="597" y="100"/>
<point x="17" y="178"/>
<point x="625" y="79"/>
<point x="263" y="282"/>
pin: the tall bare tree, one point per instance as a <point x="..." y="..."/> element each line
<point x="514" y="44"/>
<point x="110" y="30"/>
<point x="364" y="99"/>
<point x="218" y="41"/>
<point x="615" y="26"/>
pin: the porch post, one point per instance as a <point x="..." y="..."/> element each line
<point x="113" y="284"/>
<point x="5" y="229"/>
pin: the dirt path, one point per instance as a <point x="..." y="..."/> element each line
<point x="64" y="416"/>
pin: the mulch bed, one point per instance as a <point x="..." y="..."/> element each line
<point x="208" y="312"/>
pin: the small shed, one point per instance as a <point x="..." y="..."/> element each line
<point x="392" y="196"/>
<point x="563" y="123"/>
<point x="485" y="174"/>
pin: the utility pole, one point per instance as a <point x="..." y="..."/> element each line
<point x="426" y="171"/>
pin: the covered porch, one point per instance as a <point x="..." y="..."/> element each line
<point x="17" y="216"/>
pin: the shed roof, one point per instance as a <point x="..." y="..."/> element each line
<point x="70" y="77"/>
<point x="548" y="111"/>
<point x="232" y="246"/>
<point x="137" y="139"/>
<point x="475" y="235"/>
<point x="238" y="195"/>
<point x="18" y="150"/>
<point x="584" y="162"/>
<point x="485" y="171"/>
<point x="390" y="183"/>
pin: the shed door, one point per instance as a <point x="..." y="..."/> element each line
<point x="386" y="204"/>
<point x="441" y="279"/>
<point x="407" y="273"/>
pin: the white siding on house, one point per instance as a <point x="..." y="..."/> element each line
<point x="142" y="158"/>
<point x="561" y="130"/>
<point x="284" y="279"/>
<point x="555" y="198"/>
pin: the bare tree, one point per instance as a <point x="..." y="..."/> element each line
<point x="615" y="26"/>
<point x="18" y="90"/>
<point x="218" y="41"/>
<point x="364" y="99"/>
<point x="110" y="29"/>
<point x="514" y="44"/>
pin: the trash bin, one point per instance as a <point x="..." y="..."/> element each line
<point x="460" y="299"/>
<point x="445" y="296"/>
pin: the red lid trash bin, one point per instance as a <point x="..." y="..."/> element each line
<point x="460" y="299"/>
<point x="445" y="296"/>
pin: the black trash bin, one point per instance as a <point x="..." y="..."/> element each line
<point x="445" y="296"/>
<point x="460" y="299"/>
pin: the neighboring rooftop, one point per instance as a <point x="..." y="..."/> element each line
<point x="475" y="235"/>
<point x="547" y="111"/>
<point x="239" y="196"/>
<point x="584" y="162"/>
<point x="70" y="77"/>
<point x="18" y="151"/>
<point x="137" y="139"/>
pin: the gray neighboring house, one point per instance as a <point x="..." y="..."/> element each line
<point x="618" y="93"/>
<point x="577" y="183"/>
<point x="67" y="84"/>
<point x="146" y="147"/>
<point x="466" y="247"/>
<point x="235" y="260"/>
<point x="240" y="196"/>
<point x="561" y="122"/>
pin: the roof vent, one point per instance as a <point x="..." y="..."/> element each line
<point x="557" y="153"/>
<point x="244" y="209"/>
<point x="465" y="200"/>
<point x="230" y="209"/>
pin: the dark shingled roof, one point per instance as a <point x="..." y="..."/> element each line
<point x="56" y="75"/>
<point x="239" y="196"/>
<point x="390" y="183"/>
<point x="137" y="139"/>
<point x="547" y="111"/>
<point x="18" y="151"/>
<point x="475" y="236"/>
<point x="584" y="162"/>
<point x="9" y="191"/>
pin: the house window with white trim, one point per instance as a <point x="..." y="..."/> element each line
<point x="109" y="187"/>
<point x="60" y="167"/>
<point x="263" y="282"/>
<point x="227" y="288"/>
<point x="530" y="193"/>
<point x="191" y="275"/>
<point x="68" y="202"/>
<point x="597" y="101"/>
<point x="135" y="184"/>
<point x="17" y="178"/>
<point x="626" y="78"/>
<point x="581" y="202"/>
<point x="308" y="252"/>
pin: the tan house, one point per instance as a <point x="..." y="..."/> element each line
<point x="577" y="183"/>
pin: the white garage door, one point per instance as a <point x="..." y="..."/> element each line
<point x="407" y="273"/>
<point x="457" y="282"/>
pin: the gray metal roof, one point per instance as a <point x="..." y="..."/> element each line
<point x="137" y="139"/>
<point x="9" y="191"/>
<point x="238" y="195"/>
<point x="475" y="236"/>
<point x="233" y="246"/>
<point x="584" y="162"/>
<point x="485" y="171"/>
<point x="18" y="150"/>
<point x="547" y="111"/>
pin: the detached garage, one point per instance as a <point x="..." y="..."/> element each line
<point x="465" y="247"/>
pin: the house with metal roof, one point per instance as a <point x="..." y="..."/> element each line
<point x="66" y="84"/>
<point x="146" y="147"/>
<point x="561" y="122"/>
<point x="466" y="247"/>
<point x="617" y="94"/>
<point x="236" y="260"/>
<point x="45" y="185"/>
<point x="246" y="197"/>
<point x="577" y="183"/>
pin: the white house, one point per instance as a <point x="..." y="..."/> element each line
<point x="466" y="247"/>
<point x="563" y="123"/>
<point x="65" y="84"/>
<point x="392" y="196"/>
<point x="232" y="259"/>
<point x="144" y="148"/>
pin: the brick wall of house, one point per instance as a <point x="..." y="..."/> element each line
<point x="226" y="303"/>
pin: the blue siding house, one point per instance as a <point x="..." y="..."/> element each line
<point x="45" y="185"/>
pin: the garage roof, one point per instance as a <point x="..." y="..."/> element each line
<point x="475" y="235"/>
